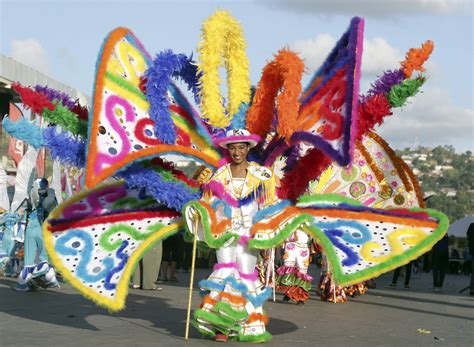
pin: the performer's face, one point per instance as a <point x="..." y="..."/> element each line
<point x="238" y="152"/>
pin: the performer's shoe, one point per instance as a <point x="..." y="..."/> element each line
<point x="54" y="283"/>
<point x="407" y="286"/>
<point x="392" y="285"/>
<point x="300" y="303"/>
<point x="220" y="337"/>
<point x="286" y="298"/>
<point x="22" y="288"/>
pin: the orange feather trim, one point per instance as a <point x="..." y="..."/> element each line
<point x="257" y="317"/>
<point x="416" y="57"/>
<point x="207" y="301"/>
<point x="284" y="73"/>
<point x="216" y="228"/>
<point x="234" y="299"/>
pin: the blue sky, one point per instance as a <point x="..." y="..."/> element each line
<point x="62" y="39"/>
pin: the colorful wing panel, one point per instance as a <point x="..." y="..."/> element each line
<point x="96" y="239"/>
<point x="360" y="242"/>
<point x="329" y="105"/>
<point x="120" y="129"/>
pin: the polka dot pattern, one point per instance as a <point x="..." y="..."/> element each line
<point x="93" y="261"/>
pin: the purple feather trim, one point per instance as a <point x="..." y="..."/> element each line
<point x="64" y="146"/>
<point x="384" y="83"/>
<point x="403" y="213"/>
<point x="293" y="156"/>
<point x="53" y="94"/>
<point x="320" y="143"/>
<point x="357" y="39"/>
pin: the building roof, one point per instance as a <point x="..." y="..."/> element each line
<point x="14" y="71"/>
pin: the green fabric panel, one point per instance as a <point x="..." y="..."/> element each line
<point x="293" y="280"/>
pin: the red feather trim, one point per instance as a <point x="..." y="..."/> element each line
<point x="81" y="111"/>
<point x="284" y="73"/>
<point x="308" y="168"/>
<point x="372" y="111"/>
<point x="32" y="99"/>
<point x="176" y="173"/>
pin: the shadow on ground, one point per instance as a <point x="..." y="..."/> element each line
<point x="70" y="309"/>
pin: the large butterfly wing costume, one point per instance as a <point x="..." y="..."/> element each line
<point x="141" y="127"/>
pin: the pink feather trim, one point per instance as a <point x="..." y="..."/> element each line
<point x="285" y="270"/>
<point x="218" y="190"/>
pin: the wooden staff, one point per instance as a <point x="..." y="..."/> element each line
<point x="191" y="282"/>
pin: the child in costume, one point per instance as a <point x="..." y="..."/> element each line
<point x="234" y="295"/>
<point x="293" y="279"/>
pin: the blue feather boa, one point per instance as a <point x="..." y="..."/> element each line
<point x="25" y="131"/>
<point x="66" y="147"/>
<point x="172" y="194"/>
<point x="165" y="66"/>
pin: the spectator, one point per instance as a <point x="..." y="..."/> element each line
<point x="470" y="241"/>
<point x="396" y="274"/>
<point x="171" y="256"/>
<point x="454" y="261"/>
<point x="147" y="269"/>
<point x="440" y="255"/>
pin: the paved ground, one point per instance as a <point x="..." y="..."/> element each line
<point x="383" y="317"/>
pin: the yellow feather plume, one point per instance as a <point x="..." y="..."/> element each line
<point x="222" y="39"/>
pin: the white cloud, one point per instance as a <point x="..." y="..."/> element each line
<point x="430" y="119"/>
<point x="374" y="8"/>
<point x="378" y="55"/>
<point x="314" y="50"/>
<point x="31" y="53"/>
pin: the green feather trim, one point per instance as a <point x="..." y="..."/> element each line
<point x="398" y="95"/>
<point x="293" y="280"/>
<point x="213" y="242"/>
<point x="265" y="337"/>
<point x="230" y="312"/>
<point x="326" y="199"/>
<point x="203" y="330"/>
<point x="285" y="233"/>
<point x="221" y="322"/>
<point x="66" y="119"/>
<point x="125" y="85"/>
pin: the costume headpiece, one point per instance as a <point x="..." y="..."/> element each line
<point x="236" y="136"/>
<point x="223" y="43"/>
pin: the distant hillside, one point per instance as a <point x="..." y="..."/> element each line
<point x="446" y="176"/>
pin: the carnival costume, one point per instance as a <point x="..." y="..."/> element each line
<point x="36" y="270"/>
<point x="14" y="218"/>
<point x="234" y="295"/>
<point x="140" y="123"/>
<point x="293" y="279"/>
